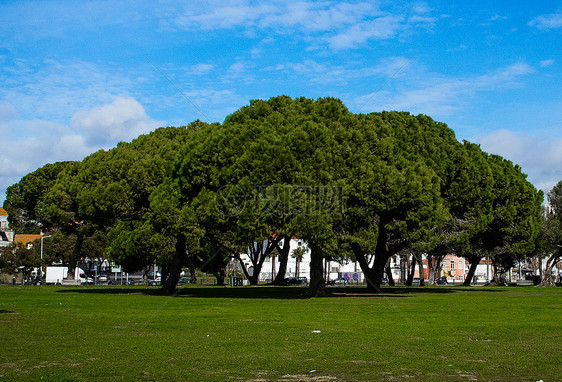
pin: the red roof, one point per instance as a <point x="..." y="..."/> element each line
<point x="3" y="212"/>
<point x="25" y="238"/>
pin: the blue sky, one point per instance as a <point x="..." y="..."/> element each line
<point x="77" y="76"/>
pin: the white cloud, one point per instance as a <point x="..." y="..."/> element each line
<point x="437" y="95"/>
<point x="322" y="73"/>
<point x="421" y="8"/>
<point x="53" y="90"/>
<point x="202" y="69"/>
<point x="545" y="22"/>
<point x="320" y="16"/>
<point x="541" y="159"/>
<point x="47" y="142"/>
<point x="24" y="155"/>
<point x="417" y="19"/>
<point x="498" y="17"/>
<point x="502" y="78"/>
<point x="7" y="112"/>
<point x="380" y="28"/>
<point x="341" y="25"/>
<point x="546" y="63"/>
<point x="123" y="119"/>
<point x="306" y="15"/>
<point x="223" y="15"/>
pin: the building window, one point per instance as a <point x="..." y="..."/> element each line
<point x="452" y="265"/>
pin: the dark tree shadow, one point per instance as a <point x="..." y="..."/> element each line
<point x="270" y="292"/>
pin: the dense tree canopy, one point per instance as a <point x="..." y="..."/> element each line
<point x="25" y="199"/>
<point x="549" y="241"/>
<point x="361" y="186"/>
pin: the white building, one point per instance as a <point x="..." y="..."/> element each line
<point x="300" y="267"/>
<point x="6" y="234"/>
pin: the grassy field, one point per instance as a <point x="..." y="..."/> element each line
<point x="274" y="334"/>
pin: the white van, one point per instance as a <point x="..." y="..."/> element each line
<point x="56" y="275"/>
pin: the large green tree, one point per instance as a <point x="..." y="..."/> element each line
<point x="264" y="171"/>
<point x="117" y="194"/>
<point x="25" y="199"/>
<point x="46" y="200"/>
<point x="514" y="219"/>
<point x="550" y="236"/>
<point x="350" y="185"/>
<point x="394" y="188"/>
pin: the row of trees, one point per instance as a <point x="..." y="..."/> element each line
<point x="549" y="240"/>
<point x="362" y="186"/>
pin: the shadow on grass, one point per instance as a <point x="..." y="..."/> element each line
<point x="264" y="292"/>
<point x="257" y="292"/>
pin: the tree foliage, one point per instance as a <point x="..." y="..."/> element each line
<point x="549" y="242"/>
<point x="362" y="186"/>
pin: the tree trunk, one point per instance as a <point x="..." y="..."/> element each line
<point x="145" y="273"/>
<point x="419" y="259"/>
<point x="431" y="273"/>
<point x="164" y="273"/>
<point x="373" y="275"/>
<point x="220" y="275"/>
<point x="434" y="264"/>
<point x="77" y="250"/>
<point x="243" y="267"/>
<point x="192" y="275"/>
<point x="474" y="261"/>
<point x="403" y="271"/>
<point x="499" y="275"/>
<point x="388" y="272"/>
<point x="180" y="255"/>
<point x="317" y="284"/>
<point x="410" y="279"/>
<point x="192" y="266"/>
<point x="254" y="277"/>
<point x="259" y="256"/>
<point x="379" y="268"/>
<point x="547" y="279"/>
<point x="283" y="260"/>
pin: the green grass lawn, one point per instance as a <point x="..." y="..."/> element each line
<point x="106" y="333"/>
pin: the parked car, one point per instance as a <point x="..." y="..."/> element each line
<point x="150" y="275"/>
<point x="338" y="281"/>
<point x="104" y="279"/>
<point x="184" y="280"/>
<point x="296" y="281"/>
<point x="156" y="281"/>
<point x="152" y="279"/>
<point x="123" y="281"/>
